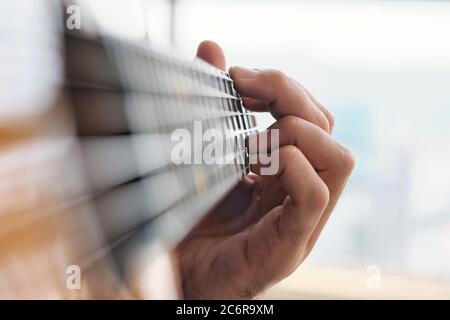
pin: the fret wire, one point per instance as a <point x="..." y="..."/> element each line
<point x="239" y="118"/>
<point x="151" y="109"/>
<point x="240" y="109"/>
<point x="245" y="116"/>
<point x="165" y="80"/>
<point x="234" y="120"/>
<point x="243" y="111"/>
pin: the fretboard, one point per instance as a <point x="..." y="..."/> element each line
<point x="102" y="185"/>
<point x="127" y="104"/>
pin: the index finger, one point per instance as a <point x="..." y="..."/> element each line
<point x="285" y="96"/>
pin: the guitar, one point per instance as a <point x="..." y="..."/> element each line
<point x="89" y="182"/>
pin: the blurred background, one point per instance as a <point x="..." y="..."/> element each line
<point x="383" y="68"/>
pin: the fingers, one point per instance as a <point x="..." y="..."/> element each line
<point x="324" y="152"/>
<point x="283" y="95"/>
<point x="325" y="110"/>
<point x="211" y="53"/>
<point x="307" y="200"/>
<point x="255" y="104"/>
<point x="332" y="161"/>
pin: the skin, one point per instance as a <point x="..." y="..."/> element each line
<point x="266" y="227"/>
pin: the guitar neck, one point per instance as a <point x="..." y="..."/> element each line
<point x="131" y="99"/>
<point x="115" y="187"/>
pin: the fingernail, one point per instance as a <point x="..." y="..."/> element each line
<point x="243" y="73"/>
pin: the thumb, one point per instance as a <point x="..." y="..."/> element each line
<point x="211" y="53"/>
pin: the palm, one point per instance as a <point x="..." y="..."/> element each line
<point x="216" y="253"/>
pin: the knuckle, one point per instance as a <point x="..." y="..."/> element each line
<point x="319" y="196"/>
<point x="297" y="238"/>
<point x="324" y="123"/>
<point x="347" y="160"/>
<point x="277" y="78"/>
<point x="289" y="152"/>
<point x="331" y="120"/>
<point x="289" y="123"/>
<point x="329" y="117"/>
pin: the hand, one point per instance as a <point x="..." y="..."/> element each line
<point x="267" y="226"/>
